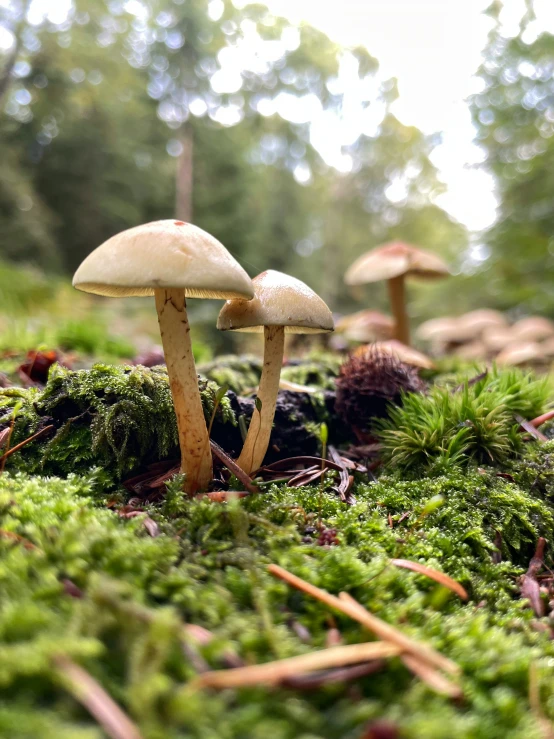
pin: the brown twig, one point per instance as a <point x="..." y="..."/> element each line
<point x="539" y="420"/>
<point x="439" y="577"/>
<point x="233" y="467"/>
<point x="94" y="698"/>
<point x="17" y="447"/>
<point x="275" y="672"/>
<point x="380" y="628"/>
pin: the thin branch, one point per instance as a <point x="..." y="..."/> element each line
<point x="94" y="698"/>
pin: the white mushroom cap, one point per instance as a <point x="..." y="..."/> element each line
<point x="392" y="260"/>
<point x="518" y="353"/>
<point x="163" y="254"/>
<point x="533" y="328"/>
<point x="443" y="329"/>
<point x="279" y="300"/>
<point x="497" y="338"/>
<point x="473" y="324"/>
<point x="366" y="326"/>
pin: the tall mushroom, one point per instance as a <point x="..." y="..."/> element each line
<point x="394" y="262"/>
<point x="172" y="261"/>
<point x="281" y="304"/>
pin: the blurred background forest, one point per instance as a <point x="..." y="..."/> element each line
<point x="114" y="113"/>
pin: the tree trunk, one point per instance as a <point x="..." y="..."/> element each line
<point x="184" y="176"/>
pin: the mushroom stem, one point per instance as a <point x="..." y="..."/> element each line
<point x="397" y="297"/>
<point x="196" y="455"/>
<point x="259" y="431"/>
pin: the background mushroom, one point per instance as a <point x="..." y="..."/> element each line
<point x="281" y="304"/>
<point x="394" y="262"/>
<point x="171" y="260"/>
<point x="366" y="326"/>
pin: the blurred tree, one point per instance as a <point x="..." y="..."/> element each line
<point x="120" y="110"/>
<point x="514" y="116"/>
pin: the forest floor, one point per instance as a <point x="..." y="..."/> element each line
<point x="129" y="610"/>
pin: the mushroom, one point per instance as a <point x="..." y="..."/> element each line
<point x="394" y="262"/>
<point x="365" y="326"/>
<point x="281" y="304"/>
<point x="475" y="349"/>
<point x="534" y="328"/>
<point x="172" y="261"/>
<point x="520" y="353"/>
<point x="475" y="322"/>
<point x="497" y="338"/>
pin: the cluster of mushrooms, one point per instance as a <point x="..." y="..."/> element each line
<point x="172" y="261"/>
<point x="482" y="334"/>
<point x="487" y="334"/>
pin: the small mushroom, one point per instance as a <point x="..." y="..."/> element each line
<point x="521" y="353"/>
<point x="533" y="328"/>
<point x="473" y="324"/>
<point x="172" y="261"/>
<point x="394" y="262"/>
<point x="497" y="338"/>
<point x="365" y="326"/>
<point x="281" y="304"/>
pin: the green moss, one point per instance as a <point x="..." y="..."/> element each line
<point x="318" y="369"/>
<point x="450" y="425"/>
<point x="208" y="567"/>
<point x="113" y="417"/>
<point x="239" y="374"/>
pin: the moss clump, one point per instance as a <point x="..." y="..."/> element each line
<point x="450" y="426"/>
<point x="319" y="369"/>
<point x="239" y="374"/>
<point x="112" y="417"/>
<point x="79" y="580"/>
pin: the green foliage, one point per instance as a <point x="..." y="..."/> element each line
<point x="113" y="417"/>
<point x="450" y="427"/>
<point x="512" y="115"/>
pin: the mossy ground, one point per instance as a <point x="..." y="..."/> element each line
<point x="77" y="578"/>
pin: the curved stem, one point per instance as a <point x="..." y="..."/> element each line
<point x="259" y="431"/>
<point x="397" y="297"/>
<point x="196" y="455"/>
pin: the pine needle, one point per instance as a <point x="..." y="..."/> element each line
<point x="273" y="673"/>
<point x="359" y="613"/>
<point x="90" y="694"/>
